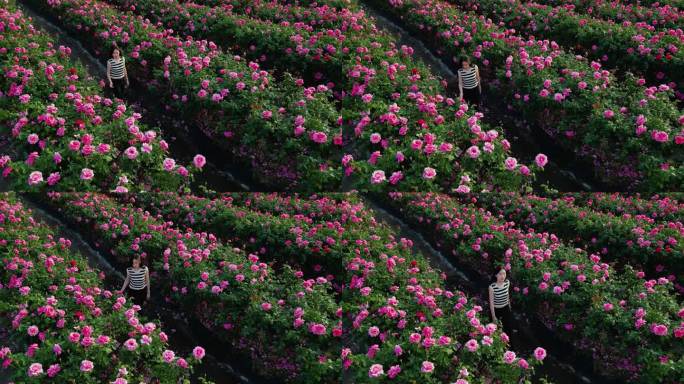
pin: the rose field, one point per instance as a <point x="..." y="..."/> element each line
<point x="311" y="191"/>
<point x="328" y="95"/>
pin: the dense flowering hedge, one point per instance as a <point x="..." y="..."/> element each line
<point x="232" y="100"/>
<point x="666" y="207"/>
<point x="402" y="131"/>
<point x="660" y="16"/>
<point x="64" y="326"/>
<point x="233" y="293"/>
<point x="387" y="296"/>
<point x="638" y="48"/>
<point x="632" y="326"/>
<point x="62" y="133"/>
<point x="631" y="132"/>
<point x="658" y="247"/>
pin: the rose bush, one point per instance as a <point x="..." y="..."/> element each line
<point x="65" y="327"/>
<point x="632" y="326"/>
<point x="665" y="207"/>
<point x="234" y="101"/>
<point x="241" y="299"/>
<point x="629" y="131"/>
<point x="394" y="116"/>
<point x="638" y="241"/>
<point x="639" y="48"/>
<point x="660" y="16"/>
<point x="58" y="124"/>
<point x="377" y="321"/>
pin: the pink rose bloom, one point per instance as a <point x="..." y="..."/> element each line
<point x="607" y="307"/>
<point x="608" y="113"/>
<point x="541" y="160"/>
<point x="86" y="366"/>
<point x="427" y="367"/>
<point x="429" y="173"/>
<point x="199" y="161"/>
<point x="659" y="329"/>
<point x="472" y="345"/>
<point x="131" y="152"/>
<point x="414" y="338"/>
<point x="35" y="369"/>
<point x="53" y="370"/>
<point x="266" y="115"/>
<point x="660" y="136"/>
<point x="168" y="355"/>
<point x="373" y="331"/>
<point x="317" y="329"/>
<point x="393" y="371"/>
<point x="198" y="353"/>
<point x="87" y="174"/>
<point x="35" y="177"/>
<point x="32" y="330"/>
<point x="378" y="177"/>
<point x="33" y="138"/>
<point x="375" y="370"/>
<point x="539" y="353"/>
<point x="522" y="363"/>
<point x="131" y="344"/>
<point x="319" y="137"/>
<point x="181" y="362"/>
<point x="473" y="152"/>
<point x="509" y="357"/>
<point x="375" y="138"/>
<point x="367" y="98"/>
<point x="396" y="177"/>
<point x="511" y="163"/>
<point x="169" y="164"/>
<point x="266" y="306"/>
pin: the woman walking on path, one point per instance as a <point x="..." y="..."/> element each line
<point x="137" y="283"/>
<point x="116" y="73"/>
<point x="469" y="87"/>
<point x="500" y="300"/>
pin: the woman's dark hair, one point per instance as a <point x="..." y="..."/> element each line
<point x="462" y="59"/>
<point x="114" y="48"/>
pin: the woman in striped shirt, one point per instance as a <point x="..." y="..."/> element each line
<point x="469" y="87"/>
<point x="137" y="283"/>
<point x="500" y="300"/>
<point x="116" y="73"/>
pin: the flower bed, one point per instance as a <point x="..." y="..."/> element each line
<point x="234" y="102"/>
<point x="64" y="326"/>
<point x="656" y="55"/>
<point x="62" y="133"/>
<point x="638" y="241"/>
<point x="667" y="207"/>
<point x="388" y="295"/>
<point x="660" y="16"/>
<point x="393" y="113"/>
<point x="632" y="133"/>
<point x="632" y="327"/>
<point x="232" y="292"/>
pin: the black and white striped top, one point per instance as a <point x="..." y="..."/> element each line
<point x="500" y="294"/>
<point x="136" y="278"/>
<point x="468" y="77"/>
<point x="116" y="68"/>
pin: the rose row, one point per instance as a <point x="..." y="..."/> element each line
<point x="64" y="325"/>
<point x="632" y="133"/>
<point x="656" y="55"/>
<point x="405" y="134"/>
<point x="340" y="233"/>
<point x="633" y="326"/>
<point x="62" y="133"/>
<point x="665" y="207"/>
<point x="638" y="241"/>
